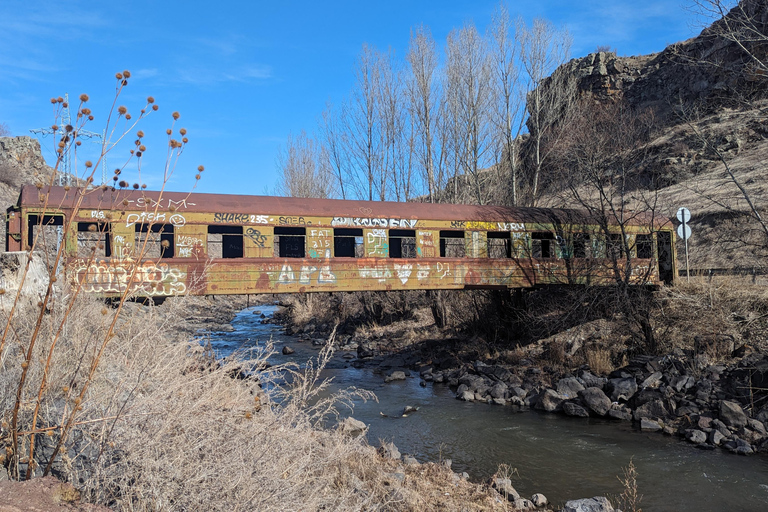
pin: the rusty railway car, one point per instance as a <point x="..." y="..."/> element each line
<point x="162" y="244"/>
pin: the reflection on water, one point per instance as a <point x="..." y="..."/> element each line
<point x="563" y="458"/>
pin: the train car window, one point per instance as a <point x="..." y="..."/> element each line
<point x="644" y="245"/>
<point x="93" y="238"/>
<point x="499" y="244"/>
<point x="543" y="245"/>
<point x="154" y="240"/>
<point x="581" y="245"/>
<point x="48" y="230"/>
<point x="290" y="242"/>
<point x="225" y="241"/>
<point x="452" y="244"/>
<point x="402" y="243"/>
<point x="348" y="243"/>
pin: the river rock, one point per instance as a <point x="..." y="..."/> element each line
<point x="732" y="414"/>
<point x="352" y="427"/>
<point x="592" y="381"/>
<point x="539" y="500"/>
<point x="524" y="504"/>
<point x="397" y="375"/>
<point x="389" y="451"/>
<point x="681" y="383"/>
<point x="652" y="409"/>
<point x="287" y="350"/>
<point x="550" y="401"/>
<point x="622" y="389"/>
<point x="696" y="436"/>
<point x="574" y="409"/>
<point x="569" y="387"/>
<point x="649" y="425"/>
<point x="620" y="413"/>
<point x="595" y="400"/>
<point x="715" y="437"/>
<point x="596" y="504"/>
<point x="504" y="487"/>
<point x="652" y="381"/>
<point x="466" y="395"/>
<point x="499" y="390"/>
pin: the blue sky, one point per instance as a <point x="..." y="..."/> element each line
<point x="244" y="75"/>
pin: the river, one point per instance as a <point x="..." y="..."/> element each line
<point x="561" y="457"/>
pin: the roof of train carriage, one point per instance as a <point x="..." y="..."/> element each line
<point x="108" y="198"/>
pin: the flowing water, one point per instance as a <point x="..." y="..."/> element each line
<point x="563" y="458"/>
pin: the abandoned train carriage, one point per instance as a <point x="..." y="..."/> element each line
<point x="161" y="244"/>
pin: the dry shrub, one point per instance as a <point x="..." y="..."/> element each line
<point x="725" y="306"/>
<point x="599" y="360"/>
<point x="163" y="426"/>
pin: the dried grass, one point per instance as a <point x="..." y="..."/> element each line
<point x="165" y="427"/>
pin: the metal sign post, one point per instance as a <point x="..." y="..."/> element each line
<point x="684" y="232"/>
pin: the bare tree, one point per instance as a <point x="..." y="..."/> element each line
<point x="4" y="130"/>
<point x="543" y="48"/>
<point x="508" y="118"/>
<point x="423" y="95"/>
<point x="469" y="94"/>
<point x="335" y="144"/>
<point x="304" y="169"/>
<point x="392" y="112"/>
<point x="601" y="163"/>
<point x="363" y="120"/>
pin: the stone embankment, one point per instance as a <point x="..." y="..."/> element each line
<point x="710" y="405"/>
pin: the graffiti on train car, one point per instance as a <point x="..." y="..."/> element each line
<point x="189" y="246"/>
<point x="377" y="243"/>
<point x="307" y="274"/>
<point x="146" y="279"/>
<point x="147" y="202"/>
<point x="255" y="235"/>
<point x="374" y="222"/>
<point x="240" y="218"/>
<point x="426" y="245"/>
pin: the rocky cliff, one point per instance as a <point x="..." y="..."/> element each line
<point x="709" y="102"/>
<point x="21" y="162"/>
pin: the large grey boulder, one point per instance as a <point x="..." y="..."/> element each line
<point x="732" y="414"/>
<point x="595" y="400"/>
<point x="569" y="387"/>
<point x="596" y="504"/>
<point x="652" y="409"/>
<point x="550" y="401"/>
<point x="622" y="389"/>
<point x="574" y="409"/>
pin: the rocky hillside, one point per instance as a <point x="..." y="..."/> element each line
<point x="709" y="103"/>
<point x="21" y="162"/>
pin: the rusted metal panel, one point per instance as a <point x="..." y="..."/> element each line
<point x="263" y="210"/>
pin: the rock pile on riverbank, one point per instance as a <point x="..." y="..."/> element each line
<point x="717" y="405"/>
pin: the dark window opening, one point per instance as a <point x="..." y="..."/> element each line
<point x="49" y="236"/>
<point x="542" y="245"/>
<point x="225" y="241"/>
<point x="402" y="243"/>
<point x="154" y="240"/>
<point x="644" y="245"/>
<point x="348" y="243"/>
<point x="93" y="237"/>
<point x="289" y="242"/>
<point x="452" y="244"/>
<point x="499" y="244"/>
<point x="580" y="245"/>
